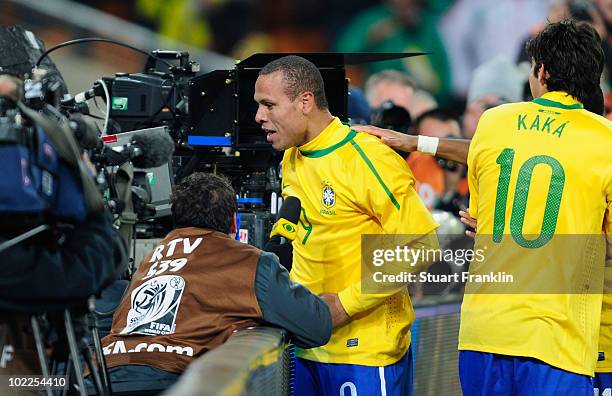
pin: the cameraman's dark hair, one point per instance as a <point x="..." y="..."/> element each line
<point x="572" y="54"/>
<point x="204" y="200"/>
<point x="439" y="114"/>
<point x="299" y="75"/>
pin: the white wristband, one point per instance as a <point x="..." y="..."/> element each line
<point x="427" y="144"/>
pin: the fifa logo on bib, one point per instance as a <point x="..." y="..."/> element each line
<point x="329" y="196"/>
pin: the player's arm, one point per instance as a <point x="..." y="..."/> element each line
<point x="450" y="149"/>
<point x="291" y="306"/>
<point x="385" y="190"/>
<point x="607" y="228"/>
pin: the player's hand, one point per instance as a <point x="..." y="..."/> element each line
<point x="338" y="314"/>
<point x="389" y="137"/>
<point x="468" y="221"/>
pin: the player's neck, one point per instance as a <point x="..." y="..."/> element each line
<point x="317" y="124"/>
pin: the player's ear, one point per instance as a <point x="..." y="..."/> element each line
<point x="307" y="102"/>
<point x="543" y="74"/>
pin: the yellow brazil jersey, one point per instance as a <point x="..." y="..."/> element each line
<point x="351" y="184"/>
<point x="540" y="178"/>
<point x="604" y="356"/>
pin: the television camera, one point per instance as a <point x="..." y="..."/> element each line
<point x="210" y="118"/>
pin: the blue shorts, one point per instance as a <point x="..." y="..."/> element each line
<point x="489" y="374"/>
<point x="603" y="384"/>
<point x="329" y="379"/>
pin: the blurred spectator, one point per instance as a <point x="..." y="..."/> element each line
<point x="359" y="111"/>
<point x="580" y="10"/>
<point x="182" y="20"/>
<point x="441" y="184"/>
<point x="475" y="31"/>
<point x="401" y="26"/>
<point x="391" y="85"/>
<point x="422" y="101"/>
<point x="391" y="97"/>
<point x="599" y="14"/>
<point x="605" y="8"/>
<point x="494" y="82"/>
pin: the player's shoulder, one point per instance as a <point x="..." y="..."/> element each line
<point x="374" y="149"/>
<point x="508" y="109"/>
<point x="370" y="143"/>
<point x="597" y="120"/>
<point x="370" y="156"/>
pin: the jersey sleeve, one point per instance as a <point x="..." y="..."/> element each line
<point x="384" y="189"/>
<point x="472" y="164"/>
<point x="607" y="228"/>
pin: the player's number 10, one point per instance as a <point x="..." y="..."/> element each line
<point x="521" y="193"/>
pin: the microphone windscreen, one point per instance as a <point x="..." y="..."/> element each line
<point x="288" y="217"/>
<point x="156" y="148"/>
<point x="290" y="209"/>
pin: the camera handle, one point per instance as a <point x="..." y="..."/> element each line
<point x="127" y="218"/>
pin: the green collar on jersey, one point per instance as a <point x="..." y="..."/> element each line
<point x="552" y="103"/>
<point x="325" y="151"/>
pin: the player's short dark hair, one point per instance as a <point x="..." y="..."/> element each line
<point x="439" y="114"/>
<point x="572" y="54"/>
<point x="204" y="200"/>
<point x="299" y="75"/>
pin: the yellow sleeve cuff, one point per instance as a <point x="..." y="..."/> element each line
<point x="349" y="298"/>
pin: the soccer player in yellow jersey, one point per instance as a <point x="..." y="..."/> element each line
<point x="539" y="171"/>
<point x="349" y="184"/>
<point x="457" y="150"/>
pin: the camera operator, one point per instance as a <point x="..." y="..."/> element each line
<point x="52" y="270"/>
<point x="197" y="287"/>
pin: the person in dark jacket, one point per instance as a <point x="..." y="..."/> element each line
<point x="50" y="271"/>
<point x="197" y="287"/>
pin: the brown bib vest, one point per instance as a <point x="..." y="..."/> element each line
<point x="187" y="297"/>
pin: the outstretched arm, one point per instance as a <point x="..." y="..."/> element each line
<point x="450" y="149"/>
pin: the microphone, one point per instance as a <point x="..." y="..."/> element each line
<point x="284" y="231"/>
<point x="146" y="150"/>
<point x="152" y="149"/>
<point x="288" y="217"/>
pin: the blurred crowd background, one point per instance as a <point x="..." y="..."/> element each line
<point x="477" y="58"/>
<point x="461" y="35"/>
<point x="476" y="46"/>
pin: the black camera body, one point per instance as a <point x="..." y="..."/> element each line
<point x="155" y="97"/>
<point x="390" y="116"/>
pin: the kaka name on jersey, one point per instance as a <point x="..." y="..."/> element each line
<point x="541" y="123"/>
